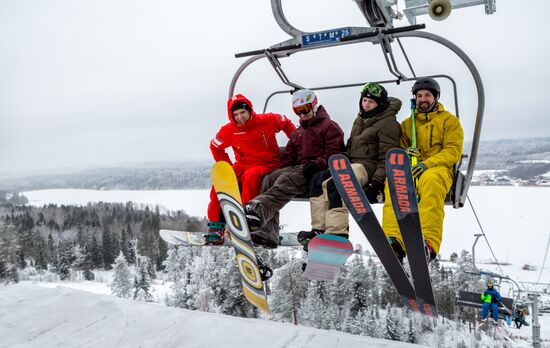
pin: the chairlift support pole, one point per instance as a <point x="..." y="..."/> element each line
<point x="536" y="326"/>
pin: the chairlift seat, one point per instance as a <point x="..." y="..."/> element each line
<point x="473" y="299"/>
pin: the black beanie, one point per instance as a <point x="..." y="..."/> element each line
<point x="381" y="99"/>
<point x="240" y="105"/>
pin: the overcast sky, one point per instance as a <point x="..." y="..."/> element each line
<point x="101" y="82"/>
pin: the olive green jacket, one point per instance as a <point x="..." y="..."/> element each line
<point x="371" y="138"/>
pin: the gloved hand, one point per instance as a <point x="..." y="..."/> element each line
<point x="373" y="190"/>
<point x="412" y="151"/>
<point x="309" y="169"/>
<point x="418" y="170"/>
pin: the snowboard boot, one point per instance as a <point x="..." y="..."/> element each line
<point x="304" y="237"/>
<point x="265" y="239"/>
<point x="397" y="248"/>
<point x="252" y="218"/>
<point x="429" y="252"/>
<point x="215" y="234"/>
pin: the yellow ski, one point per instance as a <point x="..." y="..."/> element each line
<point x="227" y="188"/>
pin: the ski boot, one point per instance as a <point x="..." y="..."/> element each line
<point x="215" y="234"/>
<point x="397" y="248"/>
<point x="429" y="252"/>
<point x="265" y="271"/>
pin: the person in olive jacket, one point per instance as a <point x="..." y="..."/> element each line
<point x="374" y="131"/>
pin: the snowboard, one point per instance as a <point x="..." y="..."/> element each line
<point x="227" y="189"/>
<point x="326" y="254"/>
<point x="184" y="238"/>
<point x="357" y="203"/>
<point x="405" y="205"/>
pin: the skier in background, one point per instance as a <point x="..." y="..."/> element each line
<point x="252" y="137"/>
<point x="491" y="298"/>
<point x="519" y="317"/>
<point x="374" y="131"/>
<point x="306" y="154"/>
<point x="439" y="139"/>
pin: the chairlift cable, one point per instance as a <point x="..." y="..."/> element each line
<point x="484" y="235"/>
<point x="544" y="260"/>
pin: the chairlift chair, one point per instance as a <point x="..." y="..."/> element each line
<point x="379" y="15"/>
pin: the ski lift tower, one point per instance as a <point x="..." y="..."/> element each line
<point x="380" y="15"/>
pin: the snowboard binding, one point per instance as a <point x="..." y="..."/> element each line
<point x="266" y="272"/>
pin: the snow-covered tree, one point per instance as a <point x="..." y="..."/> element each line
<point x="122" y="280"/>
<point x="288" y="290"/>
<point x="412" y="335"/>
<point x="393" y="327"/>
<point x="142" y="282"/>
<point x="204" y="282"/>
<point x="64" y="260"/>
<point x="372" y="328"/>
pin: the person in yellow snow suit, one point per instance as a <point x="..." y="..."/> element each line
<point x="439" y="139"/>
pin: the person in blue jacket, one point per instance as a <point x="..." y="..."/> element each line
<point x="491" y="298"/>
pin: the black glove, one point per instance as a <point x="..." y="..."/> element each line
<point x="309" y="169"/>
<point x="373" y="190"/>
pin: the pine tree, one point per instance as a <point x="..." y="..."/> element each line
<point x="356" y="289"/>
<point x="88" y="266"/>
<point x="204" y="282"/>
<point x="393" y="331"/>
<point x="52" y="252"/>
<point x="95" y="249"/>
<point x="412" y="334"/>
<point x="64" y="261"/>
<point x="371" y="324"/>
<point x="288" y="289"/>
<point x="122" y="279"/>
<point x="142" y="282"/>
<point x="171" y="265"/>
<point x="77" y="258"/>
<point x="108" y="247"/>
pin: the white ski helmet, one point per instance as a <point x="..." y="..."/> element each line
<point x="303" y="97"/>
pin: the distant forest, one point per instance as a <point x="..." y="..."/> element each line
<point x="523" y="158"/>
<point x="87" y="237"/>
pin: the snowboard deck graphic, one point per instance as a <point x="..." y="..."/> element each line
<point x="185" y="238"/>
<point x="227" y="189"/>
<point x="327" y="253"/>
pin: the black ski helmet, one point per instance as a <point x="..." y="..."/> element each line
<point x="426" y="83"/>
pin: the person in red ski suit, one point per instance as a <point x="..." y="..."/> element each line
<point x="252" y="138"/>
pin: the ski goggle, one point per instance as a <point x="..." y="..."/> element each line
<point x="372" y="89"/>
<point x="304" y="109"/>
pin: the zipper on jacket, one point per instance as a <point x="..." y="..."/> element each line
<point x="265" y="139"/>
<point x="431" y="134"/>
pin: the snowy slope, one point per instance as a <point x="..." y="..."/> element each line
<point x="34" y="316"/>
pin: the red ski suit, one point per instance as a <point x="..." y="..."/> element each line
<point x="255" y="148"/>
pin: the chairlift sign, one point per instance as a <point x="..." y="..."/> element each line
<point x="323" y="37"/>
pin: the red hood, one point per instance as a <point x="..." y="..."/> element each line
<point x="239" y="98"/>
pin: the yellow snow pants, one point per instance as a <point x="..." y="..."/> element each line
<point x="432" y="187"/>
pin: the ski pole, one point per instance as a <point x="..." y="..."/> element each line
<point x="414" y="160"/>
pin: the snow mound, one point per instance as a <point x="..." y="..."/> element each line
<point x="35" y="316"/>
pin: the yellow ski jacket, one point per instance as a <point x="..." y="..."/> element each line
<point x="439" y="137"/>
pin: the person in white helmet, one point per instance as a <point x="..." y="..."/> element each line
<point x="306" y="154"/>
